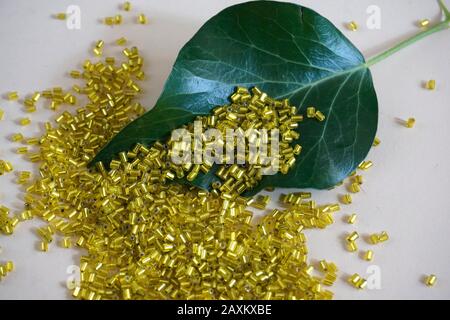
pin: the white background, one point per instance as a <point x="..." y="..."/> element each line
<point x="406" y="192"/>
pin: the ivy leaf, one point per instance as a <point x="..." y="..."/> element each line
<point x="288" y="51"/>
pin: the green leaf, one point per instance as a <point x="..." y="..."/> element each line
<point x="289" y="52"/>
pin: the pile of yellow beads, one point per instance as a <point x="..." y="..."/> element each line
<point x="149" y="239"/>
<point x="248" y="110"/>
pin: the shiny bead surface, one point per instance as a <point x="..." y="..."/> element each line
<point x="431" y="84"/>
<point x="430" y="280"/>
<point x="352" y="26"/>
<point x="142" y="19"/>
<point x="410" y="122"/>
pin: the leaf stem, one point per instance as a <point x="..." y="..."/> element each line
<point x="445" y="24"/>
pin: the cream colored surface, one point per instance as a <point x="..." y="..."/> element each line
<point x="405" y="193"/>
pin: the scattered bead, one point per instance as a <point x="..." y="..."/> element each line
<point x="121" y="41"/>
<point x="424" y="23"/>
<point x="346" y="199"/>
<point x="352" y="237"/>
<point x="430" y="280"/>
<point x="109" y="21"/>
<point x="126" y="6"/>
<point x="9" y="266"/>
<point x="75" y="74"/>
<point x="368" y="255"/>
<point x="43" y="246"/>
<point x="22" y="150"/>
<point x="431" y="84"/>
<point x="17" y="137"/>
<point x="352" y="246"/>
<point x="376" y="142"/>
<point x="352" y="218"/>
<point x="310" y="112"/>
<point x="13" y="95"/>
<point x="352" y="26"/>
<point x="61" y="16"/>
<point x="358" y="179"/>
<point x="25" y="121"/>
<point x="355" y="188"/>
<point x="319" y="116"/>
<point x="142" y="19"/>
<point x="410" y="123"/>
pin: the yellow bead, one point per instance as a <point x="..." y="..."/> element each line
<point x="310" y="112"/>
<point x="97" y="51"/>
<point x="358" y="179"/>
<point x="430" y="280"/>
<point x="374" y="239"/>
<point x="383" y="236"/>
<point x="352" y="26"/>
<point x="61" y="16"/>
<point x="6" y="166"/>
<point x="355" y="188"/>
<point x="297" y="149"/>
<point x="109" y="21"/>
<point x="127" y="6"/>
<point x="121" y="41"/>
<point x="351" y="219"/>
<point x="30" y="109"/>
<point x="346" y="199"/>
<point x="352" y="237"/>
<point x="362" y="283"/>
<point x="9" y="266"/>
<point x="354" y="279"/>
<point x="410" y="123"/>
<point x="376" y="142"/>
<point x="2" y="113"/>
<point x="32" y="141"/>
<point x="431" y="84"/>
<point x="66" y="242"/>
<point x="75" y="74"/>
<point x="13" y="95"/>
<point x="126" y="294"/>
<point x="142" y="19"/>
<point x="368" y="255"/>
<point x="319" y="116"/>
<point x="35" y="97"/>
<point x="22" y="150"/>
<point x="44" y="246"/>
<point x="25" y="121"/>
<point x="17" y="137"/>
<point x="424" y="23"/>
<point x="352" y="247"/>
